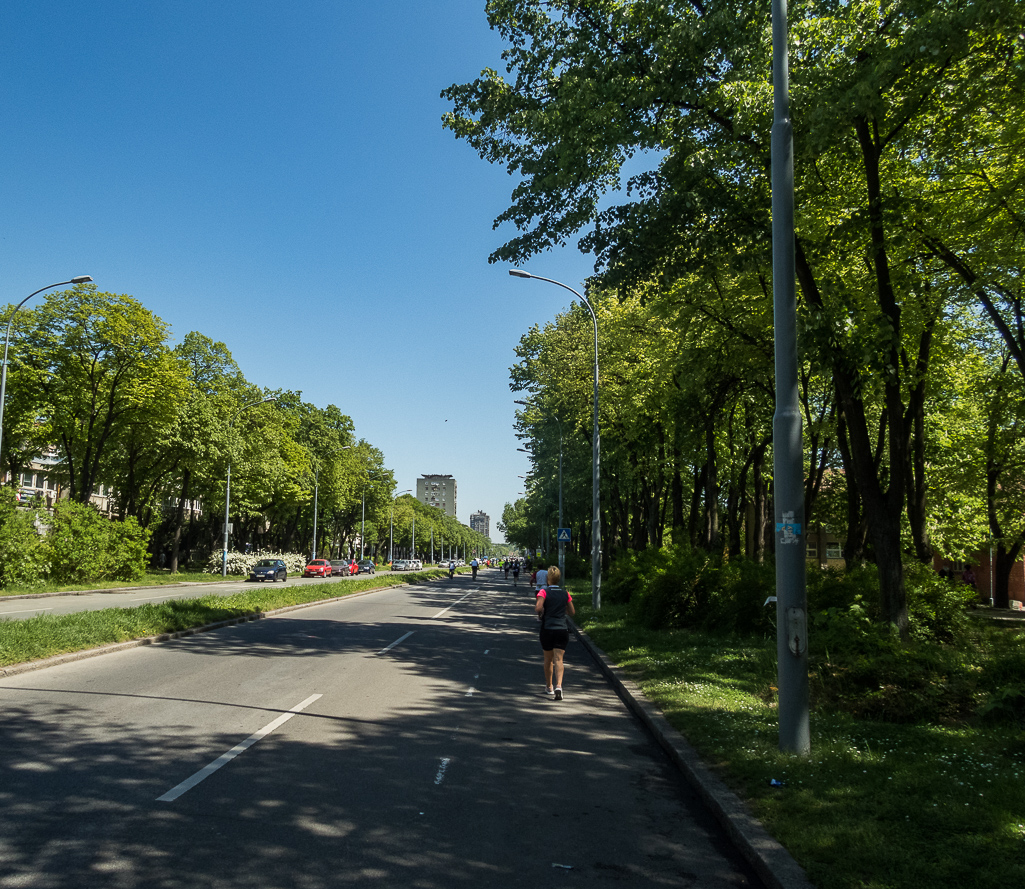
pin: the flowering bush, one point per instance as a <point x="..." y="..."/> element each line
<point x="243" y="563"/>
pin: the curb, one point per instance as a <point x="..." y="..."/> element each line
<point x="774" y="865"/>
<point x="57" y="659"/>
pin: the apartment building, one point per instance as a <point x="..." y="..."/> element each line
<point x="438" y="491"/>
<point x="480" y="522"/>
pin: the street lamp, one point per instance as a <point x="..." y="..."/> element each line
<point x="391" y="525"/>
<point x="316" y="491"/>
<point x="596" y="447"/>
<point x="562" y="543"/>
<point x="81" y="279"/>
<point x="227" y="489"/>
<point x="788" y="457"/>
<point x="363" y="525"/>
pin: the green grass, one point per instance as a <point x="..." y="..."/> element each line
<point x="48" y="635"/>
<point x="877" y="805"/>
<point x="152" y="577"/>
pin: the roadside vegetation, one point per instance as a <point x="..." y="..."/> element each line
<point x="48" y="635"/>
<point x="917" y="771"/>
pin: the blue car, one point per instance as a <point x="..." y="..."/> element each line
<point x="269" y="569"/>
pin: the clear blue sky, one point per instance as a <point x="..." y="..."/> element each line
<point x="275" y="176"/>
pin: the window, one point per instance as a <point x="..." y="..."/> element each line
<point x="833" y="551"/>
<point x="813" y="549"/>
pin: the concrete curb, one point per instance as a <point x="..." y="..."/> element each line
<point x="56" y="660"/>
<point x="774" y="864"/>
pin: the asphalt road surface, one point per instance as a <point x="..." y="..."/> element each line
<point x="397" y="739"/>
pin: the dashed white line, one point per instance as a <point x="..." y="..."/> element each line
<point x="225" y="758"/>
<point x="453" y="605"/>
<point x="396" y="642"/>
<point x="147" y="598"/>
<point x="26" y="610"/>
<point x="441" y="770"/>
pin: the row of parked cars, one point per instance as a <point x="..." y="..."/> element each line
<point x="407" y="565"/>
<point x="274" y="569"/>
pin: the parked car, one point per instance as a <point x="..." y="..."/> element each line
<point x="416" y="565"/>
<point x="339" y="566"/>
<point x="367" y="566"/>
<point x="318" y="568"/>
<point x="400" y="565"/>
<point x="269" y="569"/>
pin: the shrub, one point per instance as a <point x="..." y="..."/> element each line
<point x="242" y="563"/>
<point x="85" y="546"/>
<point x="23" y="551"/>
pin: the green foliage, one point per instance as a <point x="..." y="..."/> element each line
<point x="84" y="545"/>
<point x="243" y="563"/>
<point x="23" y="551"/>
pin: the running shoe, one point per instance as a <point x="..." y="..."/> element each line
<point x="558" y="693"/>
<point x="550" y="691"/>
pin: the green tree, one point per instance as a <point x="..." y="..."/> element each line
<point x="103" y="373"/>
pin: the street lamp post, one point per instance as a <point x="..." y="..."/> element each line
<point x="227" y="488"/>
<point x="788" y="459"/>
<point x="81" y="279"/>
<point x="596" y="446"/>
<point x="391" y="525"/>
<point x="316" y="491"/>
<point x="363" y="521"/>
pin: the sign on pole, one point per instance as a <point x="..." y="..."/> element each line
<point x="565" y="535"/>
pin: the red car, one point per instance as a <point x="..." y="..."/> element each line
<point x="318" y="568"/>
<point x="353" y="567"/>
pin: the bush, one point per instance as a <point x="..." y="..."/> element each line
<point x="23" y="550"/>
<point x="242" y="563"/>
<point x="85" y="546"/>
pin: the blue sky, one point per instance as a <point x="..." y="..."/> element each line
<point x="275" y="176"/>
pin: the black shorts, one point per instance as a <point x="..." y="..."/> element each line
<point x="554" y="639"/>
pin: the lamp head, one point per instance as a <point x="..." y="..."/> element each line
<point x="81" y="279"/>
<point x="519" y="273"/>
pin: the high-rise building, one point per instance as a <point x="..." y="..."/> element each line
<point x="438" y="491"/>
<point x="480" y="522"/>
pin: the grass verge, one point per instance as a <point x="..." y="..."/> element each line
<point x="877" y="805"/>
<point x="152" y="577"/>
<point x="48" y="635"/>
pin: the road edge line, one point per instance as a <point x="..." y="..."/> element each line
<point x="775" y="866"/>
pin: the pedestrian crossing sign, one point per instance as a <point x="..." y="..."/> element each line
<point x="564" y="535"/>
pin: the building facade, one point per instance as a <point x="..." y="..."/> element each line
<point x="438" y="491"/>
<point x="480" y="522"/>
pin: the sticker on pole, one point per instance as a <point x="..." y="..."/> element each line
<point x="788" y="529"/>
<point x="565" y="536"/>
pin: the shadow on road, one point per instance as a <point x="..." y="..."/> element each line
<point x="481" y="781"/>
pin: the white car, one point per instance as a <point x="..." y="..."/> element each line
<point x="400" y="565"/>
<point x="416" y="565"/>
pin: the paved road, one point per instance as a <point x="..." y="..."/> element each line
<point x="20" y="607"/>
<point x="398" y="739"/>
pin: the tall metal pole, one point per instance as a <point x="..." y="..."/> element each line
<point x="81" y="279"/>
<point x="316" y="490"/>
<point x="595" y="450"/>
<point x="788" y="454"/>
<point x="562" y="543"/>
<point x="227" y="487"/>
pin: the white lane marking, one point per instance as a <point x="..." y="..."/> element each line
<point x="441" y="770"/>
<point x="27" y="610"/>
<point x="225" y="758"/>
<point x="396" y="642"/>
<point x="453" y="605"/>
<point x="147" y="598"/>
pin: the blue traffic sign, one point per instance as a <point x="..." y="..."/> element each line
<point x="565" y="535"/>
